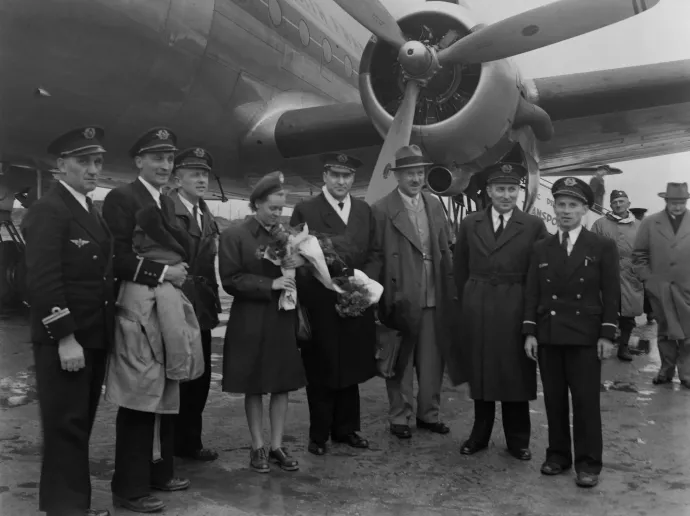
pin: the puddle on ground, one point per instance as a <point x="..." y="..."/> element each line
<point x="18" y="390"/>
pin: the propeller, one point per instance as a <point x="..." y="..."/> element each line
<point x="540" y="27"/>
<point x="375" y="17"/>
<point x="398" y="136"/>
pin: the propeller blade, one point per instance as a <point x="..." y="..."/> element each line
<point x="540" y="27"/>
<point x="375" y="17"/>
<point x="533" y="180"/>
<point x="398" y="136"/>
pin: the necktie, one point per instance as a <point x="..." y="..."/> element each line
<point x="89" y="203"/>
<point x="341" y="205"/>
<point x="500" y="227"/>
<point x="195" y="214"/>
<point x="564" y="242"/>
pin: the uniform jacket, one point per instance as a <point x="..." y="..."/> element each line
<point x="201" y="286"/>
<point x="573" y="300"/>
<point x="342" y="351"/>
<point x="490" y="277"/>
<point x="662" y="259"/>
<point x="401" y="272"/>
<point x="69" y="259"/>
<point x="623" y="233"/>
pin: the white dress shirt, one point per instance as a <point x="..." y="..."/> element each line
<point x="80" y="197"/>
<point x="156" y="194"/>
<point x="343" y="213"/>
<point x="496" y="218"/>
<point x="572" y="237"/>
<point x="190" y="208"/>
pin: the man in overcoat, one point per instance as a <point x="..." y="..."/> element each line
<point x="572" y="298"/>
<point x="662" y="249"/>
<point x="137" y="427"/>
<point x="341" y="354"/>
<point x="70" y="286"/>
<point x="191" y="172"/>
<point x="419" y="298"/>
<point x="491" y="258"/>
<point x="621" y="226"/>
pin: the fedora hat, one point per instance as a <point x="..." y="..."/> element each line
<point x="408" y="157"/>
<point x="675" y="191"/>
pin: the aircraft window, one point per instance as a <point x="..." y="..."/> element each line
<point x="327" y="52"/>
<point x="348" y="66"/>
<point x="304" y="32"/>
<point x="275" y="12"/>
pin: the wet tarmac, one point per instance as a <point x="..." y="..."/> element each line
<point x="646" y="455"/>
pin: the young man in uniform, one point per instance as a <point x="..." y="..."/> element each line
<point x="341" y="354"/>
<point x="69" y="262"/>
<point x="191" y="170"/>
<point x="572" y="299"/>
<point x="139" y="422"/>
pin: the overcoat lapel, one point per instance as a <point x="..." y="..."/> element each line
<point x="181" y="211"/>
<point x="89" y="222"/>
<point x="514" y="227"/>
<point x="401" y="220"/>
<point x="485" y="231"/>
<point x="330" y="218"/>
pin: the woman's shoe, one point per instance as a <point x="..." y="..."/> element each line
<point x="258" y="461"/>
<point x="280" y="456"/>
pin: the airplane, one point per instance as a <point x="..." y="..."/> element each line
<point x="272" y="84"/>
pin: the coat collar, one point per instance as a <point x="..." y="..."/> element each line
<point x="401" y="220"/>
<point x="663" y="225"/>
<point x="90" y="222"/>
<point x="182" y="211"/>
<point x="329" y="216"/>
<point x="485" y="228"/>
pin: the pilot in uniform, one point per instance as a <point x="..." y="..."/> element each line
<point x="572" y="300"/>
<point x="69" y="253"/>
<point x="137" y="469"/>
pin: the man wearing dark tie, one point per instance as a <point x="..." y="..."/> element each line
<point x="70" y="285"/>
<point x="191" y="172"/>
<point x="491" y="257"/>
<point x="572" y="300"/>
<point x="342" y="352"/>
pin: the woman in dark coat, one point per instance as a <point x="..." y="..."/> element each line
<point x="260" y="354"/>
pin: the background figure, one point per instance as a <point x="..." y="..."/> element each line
<point x="491" y="258"/>
<point x="598" y="188"/>
<point x="419" y="297"/>
<point x="260" y="355"/>
<point x="70" y="286"/>
<point x="572" y="297"/>
<point x="192" y="168"/>
<point x="341" y="353"/>
<point x="621" y="226"/>
<point x="661" y="256"/>
<point x="136" y="382"/>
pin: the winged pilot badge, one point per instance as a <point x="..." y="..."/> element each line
<point x="79" y="242"/>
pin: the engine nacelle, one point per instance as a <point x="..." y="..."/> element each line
<point x="465" y="113"/>
<point x="446" y="182"/>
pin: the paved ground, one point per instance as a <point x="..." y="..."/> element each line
<point x="646" y="470"/>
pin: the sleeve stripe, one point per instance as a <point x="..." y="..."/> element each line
<point x="528" y="322"/>
<point x="609" y="324"/>
<point x="55" y="316"/>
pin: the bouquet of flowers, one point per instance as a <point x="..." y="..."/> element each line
<point x="355" y="293"/>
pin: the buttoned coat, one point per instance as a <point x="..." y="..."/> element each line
<point x="69" y="258"/>
<point x="342" y="351"/>
<point x="573" y="299"/>
<point x="402" y="268"/>
<point x="490" y="276"/>
<point x="662" y="260"/>
<point x="624" y="233"/>
<point x="201" y="287"/>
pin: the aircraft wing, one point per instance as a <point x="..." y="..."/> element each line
<point x="615" y="115"/>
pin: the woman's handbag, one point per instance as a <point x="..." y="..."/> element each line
<point x="303" y="326"/>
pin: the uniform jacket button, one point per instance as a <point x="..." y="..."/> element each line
<point x="577" y="312"/>
<point x="95" y="257"/>
<point x="582" y="280"/>
<point x="554" y="296"/>
<point x="553" y="312"/>
<point x="579" y="296"/>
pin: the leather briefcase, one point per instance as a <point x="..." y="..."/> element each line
<point x="388" y="342"/>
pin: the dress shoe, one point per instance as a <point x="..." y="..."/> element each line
<point x="660" y="380"/>
<point x="437" y="427"/>
<point x="97" y="512"/>
<point x="553" y="468"/>
<point x="258" y="460"/>
<point x="401" y="431"/>
<point x="142" y="504"/>
<point x="202" y="455"/>
<point x="281" y="457"/>
<point x="316" y="448"/>
<point x="624" y="353"/>
<point x="586" y="479"/>
<point x="471" y="447"/>
<point x="352" y="439"/>
<point x="520" y="453"/>
<point x="174" y="484"/>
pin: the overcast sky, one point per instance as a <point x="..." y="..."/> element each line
<point x="659" y="35"/>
